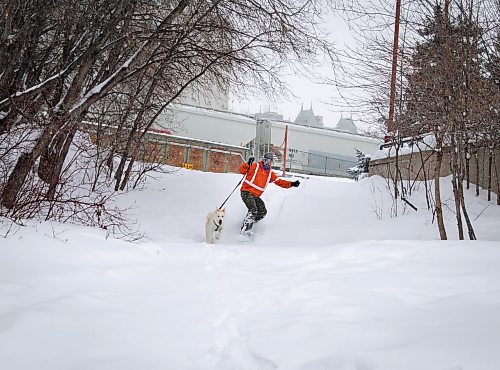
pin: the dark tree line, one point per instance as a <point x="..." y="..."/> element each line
<point x="447" y="87"/>
<point x="452" y="94"/>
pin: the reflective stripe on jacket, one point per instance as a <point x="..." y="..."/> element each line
<point x="257" y="178"/>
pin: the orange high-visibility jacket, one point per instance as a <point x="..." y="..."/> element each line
<point x="257" y="178"/>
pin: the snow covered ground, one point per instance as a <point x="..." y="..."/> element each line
<point x="332" y="281"/>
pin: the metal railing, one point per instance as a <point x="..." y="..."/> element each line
<point x="315" y="164"/>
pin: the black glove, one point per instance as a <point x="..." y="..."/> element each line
<point x="296" y="183"/>
<point x="250" y="160"/>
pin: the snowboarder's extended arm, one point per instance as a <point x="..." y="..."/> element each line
<point x="284" y="183"/>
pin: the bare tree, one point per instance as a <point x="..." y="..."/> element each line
<point x="446" y="68"/>
<point x="63" y="62"/>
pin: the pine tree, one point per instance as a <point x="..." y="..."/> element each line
<point x="447" y="89"/>
<point x="448" y="96"/>
<point x="361" y="168"/>
<point x="423" y="98"/>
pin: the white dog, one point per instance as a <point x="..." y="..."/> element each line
<point x="214" y="225"/>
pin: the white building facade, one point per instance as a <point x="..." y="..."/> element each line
<point x="315" y="150"/>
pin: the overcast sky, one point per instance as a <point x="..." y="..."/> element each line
<point x="306" y="92"/>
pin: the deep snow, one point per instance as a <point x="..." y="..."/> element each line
<point x="332" y="281"/>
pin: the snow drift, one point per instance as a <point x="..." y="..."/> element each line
<point x="332" y="281"/>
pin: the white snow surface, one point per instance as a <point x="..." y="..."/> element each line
<point x="331" y="281"/>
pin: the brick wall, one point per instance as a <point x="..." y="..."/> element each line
<point x="176" y="154"/>
<point x="178" y="151"/>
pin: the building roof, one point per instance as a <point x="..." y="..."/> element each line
<point x="306" y="117"/>
<point x="347" y="125"/>
<point x="269" y="115"/>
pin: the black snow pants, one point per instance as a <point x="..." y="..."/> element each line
<point x="256" y="209"/>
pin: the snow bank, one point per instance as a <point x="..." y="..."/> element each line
<point x="332" y="281"/>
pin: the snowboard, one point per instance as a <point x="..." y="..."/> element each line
<point x="246" y="237"/>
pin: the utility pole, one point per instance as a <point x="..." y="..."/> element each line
<point x="285" y="150"/>
<point x="391" y="126"/>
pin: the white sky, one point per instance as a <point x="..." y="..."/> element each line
<point x="306" y="92"/>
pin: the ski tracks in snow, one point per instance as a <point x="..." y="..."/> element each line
<point x="230" y="349"/>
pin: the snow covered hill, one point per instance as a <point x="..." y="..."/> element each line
<point x="332" y="281"/>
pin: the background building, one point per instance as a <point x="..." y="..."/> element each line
<point x="311" y="148"/>
<point x="347" y="125"/>
<point x="306" y="117"/>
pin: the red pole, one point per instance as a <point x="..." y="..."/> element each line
<point x="391" y="127"/>
<point x="284" y="152"/>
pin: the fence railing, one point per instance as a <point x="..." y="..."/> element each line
<point x="177" y="151"/>
<point x="315" y="164"/>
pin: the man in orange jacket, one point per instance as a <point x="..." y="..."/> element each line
<point x="258" y="175"/>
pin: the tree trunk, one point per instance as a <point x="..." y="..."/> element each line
<point x="460" y="184"/>
<point x="437" y="192"/>
<point x="396" y="170"/>
<point x="132" y="140"/>
<point x="458" y="206"/>
<point x="470" y="228"/>
<point x="127" y="174"/>
<point x="7" y="122"/>
<point x="476" y="155"/>
<point x="490" y="160"/>
<point x="455" y="170"/>
<point x="58" y="163"/>
<point x="24" y="165"/>
<point x="424" y="173"/>
<point x="496" y="175"/>
<point x="16" y="179"/>
<point x="467" y="167"/>
<point x="49" y="158"/>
